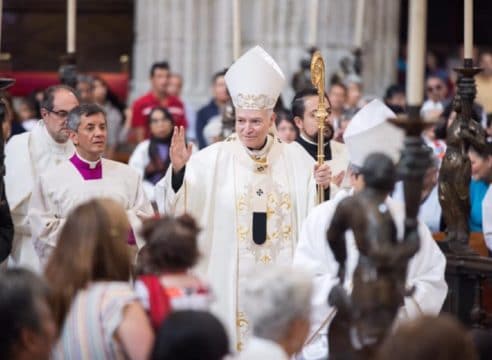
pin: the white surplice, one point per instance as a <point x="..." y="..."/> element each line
<point x="63" y="188"/>
<point x="425" y="272"/>
<point x="219" y="186"/>
<point x="27" y="156"/>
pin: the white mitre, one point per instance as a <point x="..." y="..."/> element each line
<point x="369" y="132"/>
<point x="255" y="80"/>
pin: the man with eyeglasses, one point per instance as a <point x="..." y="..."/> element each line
<point x="437" y="92"/>
<point x="29" y="155"/>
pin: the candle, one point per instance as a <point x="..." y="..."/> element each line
<point x="359" y="24"/>
<point x="468" y="38"/>
<point x="236" y="31"/>
<point x="1" y="16"/>
<point x="416" y="51"/>
<point x="313" y="22"/>
<point x="71" y="25"/>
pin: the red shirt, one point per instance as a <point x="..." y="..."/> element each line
<point x="142" y="106"/>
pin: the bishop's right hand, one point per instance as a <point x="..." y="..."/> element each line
<point x="180" y="152"/>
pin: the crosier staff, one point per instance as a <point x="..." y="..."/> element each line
<point x="318" y="81"/>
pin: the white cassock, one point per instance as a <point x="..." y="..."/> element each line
<point x="63" y="188"/>
<point x="27" y="156"/>
<point x="222" y="184"/>
<point x="425" y="272"/>
<point x="258" y="348"/>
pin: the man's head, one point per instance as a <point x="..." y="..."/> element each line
<point x="304" y="106"/>
<point x="28" y="329"/>
<point x="252" y="126"/>
<point x="338" y="97"/>
<point x="85" y="87"/>
<point x="87" y="124"/>
<point x="219" y="88"/>
<point x="486" y="62"/>
<point x="175" y="85"/>
<point x="436" y="89"/>
<point x="254" y="96"/>
<point x="395" y="98"/>
<point x="159" y="78"/>
<point x="57" y="102"/>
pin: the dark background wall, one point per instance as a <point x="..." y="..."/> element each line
<point x="34" y="33"/>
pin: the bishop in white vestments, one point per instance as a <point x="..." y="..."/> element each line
<point x="83" y="177"/>
<point x="30" y="154"/>
<point x="250" y="193"/>
<point x="367" y="132"/>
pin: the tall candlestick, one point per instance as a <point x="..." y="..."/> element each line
<point x="468" y="38"/>
<point x="71" y="25"/>
<point x="416" y="51"/>
<point x="359" y="24"/>
<point x="236" y="31"/>
<point x="313" y="22"/>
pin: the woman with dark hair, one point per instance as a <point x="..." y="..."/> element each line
<point x="191" y="335"/>
<point x="166" y="282"/>
<point x="151" y="157"/>
<point x="94" y="306"/>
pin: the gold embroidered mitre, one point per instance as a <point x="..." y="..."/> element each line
<point x="255" y="80"/>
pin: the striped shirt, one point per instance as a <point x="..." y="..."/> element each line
<point x="90" y="326"/>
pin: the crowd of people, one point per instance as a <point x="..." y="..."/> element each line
<point x="154" y="231"/>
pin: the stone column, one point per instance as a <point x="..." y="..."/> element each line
<point x="195" y="36"/>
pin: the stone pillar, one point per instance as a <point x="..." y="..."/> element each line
<point x="195" y="36"/>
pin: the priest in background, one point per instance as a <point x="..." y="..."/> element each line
<point x="368" y="132"/>
<point x="30" y="154"/>
<point x="249" y="193"/>
<point x="83" y="177"/>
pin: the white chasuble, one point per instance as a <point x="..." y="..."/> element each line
<point x="63" y="188"/>
<point x="27" y="156"/>
<point x="223" y="186"/>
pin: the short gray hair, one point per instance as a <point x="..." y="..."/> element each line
<point x="76" y="114"/>
<point x="275" y="297"/>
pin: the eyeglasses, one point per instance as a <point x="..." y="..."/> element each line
<point x="432" y="88"/>
<point x="62" y="114"/>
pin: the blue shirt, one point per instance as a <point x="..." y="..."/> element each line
<point x="478" y="188"/>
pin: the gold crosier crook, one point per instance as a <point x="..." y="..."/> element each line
<point x="318" y="80"/>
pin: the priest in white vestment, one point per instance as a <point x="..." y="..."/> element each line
<point x="30" y="154"/>
<point x="83" y="177"/>
<point x="367" y="132"/>
<point x="250" y="193"/>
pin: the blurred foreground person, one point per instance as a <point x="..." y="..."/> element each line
<point x="429" y="338"/>
<point x="151" y="157"/>
<point x="166" y="282"/>
<point x="191" y="335"/>
<point x="95" y="308"/>
<point x="86" y="175"/>
<point x="31" y="154"/>
<point x="278" y="304"/>
<point x="249" y="192"/>
<point x="28" y="329"/>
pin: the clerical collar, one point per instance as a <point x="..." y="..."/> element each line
<point x="309" y="141"/>
<point x="90" y="170"/>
